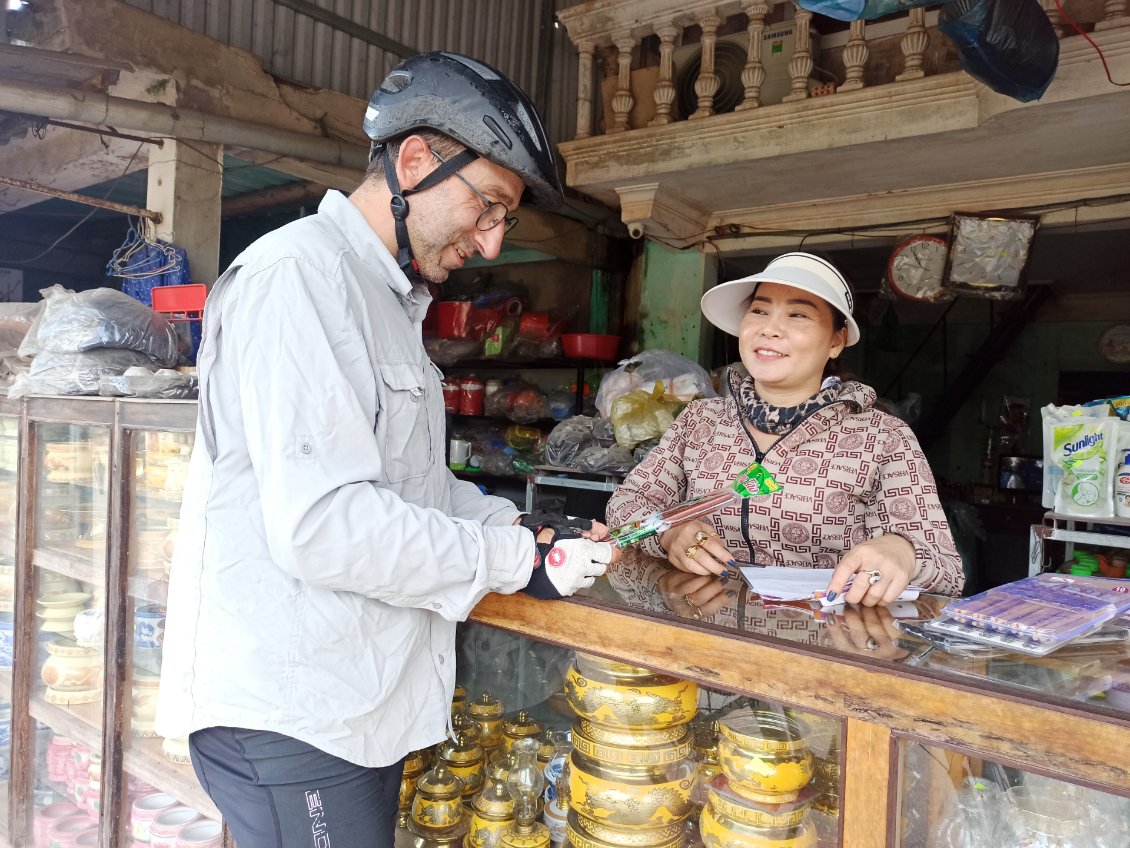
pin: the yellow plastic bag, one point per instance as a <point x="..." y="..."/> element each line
<point x="640" y="415"/>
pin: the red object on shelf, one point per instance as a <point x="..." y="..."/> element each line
<point x="590" y="346"/>
<point x="451" y="396"/>
<point x="453" y="319"/>
<point x="471" y="392"/>
<point x="180" y="303"/>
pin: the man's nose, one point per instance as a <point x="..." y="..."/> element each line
<point x="489" y="241"/>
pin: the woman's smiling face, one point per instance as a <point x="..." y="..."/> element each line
<point x="786" y="338"/>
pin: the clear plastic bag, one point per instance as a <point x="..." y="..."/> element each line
<point x="679" y="377"/>
<point x="568" y="439"/>
<point x="16" y="321"/>
<point x="605" y="460"/>
<point x="641" y="415"/>
<point x="100" y="318"/>
<point x="170" y="386"/>
<point x="80" y="373"/>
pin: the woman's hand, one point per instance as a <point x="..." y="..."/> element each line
<point x="866" y="630"/>
<point x="879" y="568"/>
<point x="693" y="595"/>
<point x="695" y="548"/>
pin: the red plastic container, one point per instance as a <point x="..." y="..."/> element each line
<point x="590" y="346"/>
<point x="453" y="319"/>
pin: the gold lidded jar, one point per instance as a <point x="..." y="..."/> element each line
<point x="463" y="756"/>
<point x="721" y="831"/>
<point x="764" y="755"/>
<point x="486" y="710"/>
<point x="413" y="767"/>
<point x="723" y="801"/>
<point x="638" y="748"/>
<point x="492" y="811"/>
<point x="630" y="796"/>
<point x="618" y="695"/>
<point x="520" y="726"/>
<point x="458" y="700"/>
<point x="438" y="803"/>
<point x="583" y="832"/>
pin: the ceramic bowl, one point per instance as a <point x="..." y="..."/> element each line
<point x="71" y="667"/>
<point x="201" y="834"/>
<point x="583" y="832"/>
<point x="719" y="831"/>
<point x="764" y="755"/>
<point x="145" y="810"/>
<point x="168" y="825"/>
<point x="653" y="702"/>
<point x="626" y="796"/>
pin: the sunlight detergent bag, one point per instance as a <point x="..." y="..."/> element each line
<point x="1080" y="448"/>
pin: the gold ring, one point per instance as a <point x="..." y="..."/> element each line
<point x="692" y="551"/>
<point x="687" y="600"/>
<point x="696" y="613"/>
<point x="700" y="538"/>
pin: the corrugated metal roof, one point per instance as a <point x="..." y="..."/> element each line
<point x="505" y="33"/>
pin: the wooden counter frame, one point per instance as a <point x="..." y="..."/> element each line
<point x="881" y="704"/>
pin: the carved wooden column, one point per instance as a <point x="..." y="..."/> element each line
<point x="801" y="65"/>
<point x="753" y="74"/>
<point x="665" y="88"/>
<point x="584" y="89"/>
<point x="1116" y="14"/>
<point x="914" y="45"/>
<point x="1052" y="12"/>
<point x="622" y="100"/>
<point x="855" y="57"/>
<point x="706" y="85"/>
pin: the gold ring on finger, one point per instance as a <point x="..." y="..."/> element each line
<point x="700" y="538"/>
<point x="692" y="551"/>
<point x="687" y="600"/>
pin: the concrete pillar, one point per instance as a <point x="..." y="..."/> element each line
<point x="672" y="284"/>
<point x="185" y="181"/>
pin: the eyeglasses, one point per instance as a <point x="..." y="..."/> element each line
<point x="493" y="214"/>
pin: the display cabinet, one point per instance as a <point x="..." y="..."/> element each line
<point x="95" y="500"/>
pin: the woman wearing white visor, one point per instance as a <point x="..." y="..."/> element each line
<point x="858" y="494"/>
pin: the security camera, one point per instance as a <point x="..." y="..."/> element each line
<point x="635" y="230"/>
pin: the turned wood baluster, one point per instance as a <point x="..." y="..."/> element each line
<point x="753" y="74"/>
<point x="855" y="57"/>
<point x="1116" y="14"/>
<point x="584" y="89"/>
<point x="801" y="65"/>
<point x="622" y="100"/>
<point x="706" y="85"/>
<point x="665" y="88"/>
<point x="914" y="45"/>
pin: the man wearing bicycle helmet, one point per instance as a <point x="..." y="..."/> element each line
<point x="325" y="552"/>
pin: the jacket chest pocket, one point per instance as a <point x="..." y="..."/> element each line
<point x="403" y="422"/>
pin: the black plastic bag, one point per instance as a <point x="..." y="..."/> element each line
<point x="1009" y="45"/>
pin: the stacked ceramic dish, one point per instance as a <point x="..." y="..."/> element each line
<point x="761" y="799"/>
<point x="630" y="775"/>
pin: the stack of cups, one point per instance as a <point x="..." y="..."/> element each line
<point x="630" y="775"/>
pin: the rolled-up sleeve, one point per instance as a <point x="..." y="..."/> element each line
<point x="310" y="438"/>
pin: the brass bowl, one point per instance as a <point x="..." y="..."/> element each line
<point x="720" y="831"/>
<point x="652" y="703"/>
<point x="725" y="802"/>
<point x="617" y="746"/>
<point x="584" y="832"/>
<point x="628" y="796"/>
<point x="764" y="755"/>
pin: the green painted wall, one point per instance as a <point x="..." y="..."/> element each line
<point x="672" y="284"/>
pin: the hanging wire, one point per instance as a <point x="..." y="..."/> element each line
<point x="82" y="221"/>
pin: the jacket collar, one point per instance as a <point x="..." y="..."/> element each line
<point x="370" y="249"/>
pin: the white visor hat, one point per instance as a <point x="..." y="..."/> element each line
<point x="724" y="305"/>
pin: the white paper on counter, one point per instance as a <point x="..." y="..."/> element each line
<point x="778" y="583"/>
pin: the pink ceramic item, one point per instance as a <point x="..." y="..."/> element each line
<point x="59" y="751"/>
<point x="64" y="831"/>
<point x="145" y="810"/>
<point x="168" y="825"/>
<point x="201" y="834"/>
<point x="46" y="817"/>
<point x="86" y="839"/>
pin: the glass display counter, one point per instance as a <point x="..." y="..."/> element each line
<point x="885" y="739"/>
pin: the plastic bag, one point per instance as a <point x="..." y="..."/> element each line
<point x="168" y="386"/>
<point x="16" y="320"/>
<point x="1080" y="453"/>
<point x="567" y="440"/>
<point x="851" y="10"/>
<point x="680" y="377"/>
<point x="1009" y="45"/>
<point x="600" y="460"/>
<point x="54" y="373"/>
<point x="641" y="415"/>
<point x="100" y="318"/>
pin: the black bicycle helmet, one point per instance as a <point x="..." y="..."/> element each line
<point x="474" y="104"/>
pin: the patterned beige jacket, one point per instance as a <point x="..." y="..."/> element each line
<point x="849" y="472"/>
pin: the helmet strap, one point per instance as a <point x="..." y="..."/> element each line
<point x="398" y="205"/>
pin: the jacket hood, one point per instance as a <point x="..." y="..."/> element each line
<point x="857" y="395"/>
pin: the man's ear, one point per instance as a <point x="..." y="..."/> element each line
<point x="414" y="161"/>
